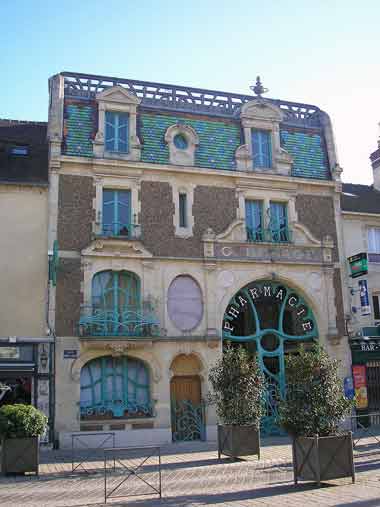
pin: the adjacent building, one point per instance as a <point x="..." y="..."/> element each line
<point x="25" y="341"/>
<point x="361" y="226"/>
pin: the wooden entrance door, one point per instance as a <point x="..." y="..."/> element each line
<point x="187" y="408"/>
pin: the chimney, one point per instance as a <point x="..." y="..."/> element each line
<point x="375" y="161"/>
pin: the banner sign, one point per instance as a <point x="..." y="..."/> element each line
<point x="358" y="264"/>
<point x="364" y="299"/>
<point x="360" y="383"/>
<point x="349" y="390"/>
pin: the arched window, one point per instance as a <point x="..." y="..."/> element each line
<point x="114" y="387"/>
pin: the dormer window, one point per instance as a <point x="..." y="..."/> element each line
<point x="261" y="148"/>
<point x="116" y="130"/>
<point x="117" y="137"/>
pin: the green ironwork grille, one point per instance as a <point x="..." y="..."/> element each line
<point x="116" y="307"/>
<point x="188" y="421"/>
<point x="270" y="319"/>
<point x="114" y="387"/>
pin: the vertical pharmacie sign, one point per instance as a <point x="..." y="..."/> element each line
<point x="364" y="298"/>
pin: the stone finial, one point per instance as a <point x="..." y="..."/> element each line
<point x="258" y="89"/>
<point x="336" y="172"/>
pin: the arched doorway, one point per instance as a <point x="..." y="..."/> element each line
<point x="187" y="409"/>
<point x="270" y="319"/>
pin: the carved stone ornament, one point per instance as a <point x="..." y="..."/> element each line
<point x="209" y="235"/>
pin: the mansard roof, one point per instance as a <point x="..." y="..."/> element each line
<point x="360" y="198"/>
<point x="31" y="167"/>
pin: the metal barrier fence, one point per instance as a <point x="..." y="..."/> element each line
<point x="81" y="455"/>
<point x="138" y="466"/>
<point x="364" y="426"/>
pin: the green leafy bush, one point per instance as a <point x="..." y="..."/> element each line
<point x="21" y="421"/>
<point x="238" y="386"/>
<point x="315" y="403"/>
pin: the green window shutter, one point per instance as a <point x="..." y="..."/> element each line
<point x="253" y="220"/>
<point x="279" y="222"/>
<point x="261" y="148"/>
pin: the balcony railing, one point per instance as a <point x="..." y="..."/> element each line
<point x="269" y="235"/>
<point x="133" y="322"/>
<point x="120" y="229"/>
<point x="115" y="408"/>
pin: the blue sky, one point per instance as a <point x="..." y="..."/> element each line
<point x="324" y="52"/>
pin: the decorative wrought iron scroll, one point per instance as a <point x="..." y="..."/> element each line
<point x="269" y="317"/>
<point x="188" y="421"/>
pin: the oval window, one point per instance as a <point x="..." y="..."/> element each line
<point x="180" y="142"/>
<point x="185" y="305"/>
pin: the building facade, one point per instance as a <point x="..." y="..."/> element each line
<point x="361" y="226"/>
<point x="184" y="218"/>
<point x="25" y="345"/>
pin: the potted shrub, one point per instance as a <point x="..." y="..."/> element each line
<point x="20" y="428"/>
<point x="238" y="393"/>
<point x="311" y="412"/>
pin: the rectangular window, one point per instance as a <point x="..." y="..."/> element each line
<point x="116" y="132"/>
<point x="376" y="306"/>
<point x="261" y="148"/>
<point x="117" y="213"/>
<point x="19" y="151"/>
<point x="254" y="220"/>
<point x="374" y="240"/>
<point x="182" y="210"/>
<point x="278" y="223"/>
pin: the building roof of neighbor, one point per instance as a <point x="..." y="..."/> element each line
<point x="23" y="152"/>
<point x="360" y="198"/>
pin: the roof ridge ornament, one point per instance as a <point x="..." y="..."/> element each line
<point x="258" y="89"/>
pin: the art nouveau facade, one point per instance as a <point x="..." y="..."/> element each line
<point x="183" y="218"/>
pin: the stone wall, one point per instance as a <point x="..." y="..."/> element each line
<point x="213" y="207"/>
<point x="318" y="215"/>
<point x="68" y="297"/>
<point x="340" y="324"/>
<point x="76" y="211"/>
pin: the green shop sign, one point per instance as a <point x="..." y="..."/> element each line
<point x="358" y="265"/>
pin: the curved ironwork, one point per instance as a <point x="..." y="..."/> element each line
<point x="270" y="319"/>
<point x="188" y="421"/>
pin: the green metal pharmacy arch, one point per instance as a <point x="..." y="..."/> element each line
<point x="271" y="320"/>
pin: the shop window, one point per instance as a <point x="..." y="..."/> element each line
<point x="254" y="220"/>
<point x="185" y="305"/>
<point x="117" y="213"/>
<point x="112" y="387"/>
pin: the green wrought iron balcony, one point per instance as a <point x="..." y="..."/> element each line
<point x="121" y="229"/>
<point x="269" y="235"/>
<point x="132" y="322"/>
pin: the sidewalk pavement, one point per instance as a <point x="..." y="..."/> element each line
<point x="192" y="476"/>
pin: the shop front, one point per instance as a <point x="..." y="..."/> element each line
<point x="25" y="374"/>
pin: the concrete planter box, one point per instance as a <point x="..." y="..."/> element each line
<point x="323" y="458"/>
<point x="235" y="441"/>
<point x="20" y="455"/>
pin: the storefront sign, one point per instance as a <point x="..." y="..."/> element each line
<point x="70" y="354"/>
<point x="10" y="352"/>
<point x="349" y="390"/>
<point x="276" y="253"/>
<point x="360" y="383"/>
<point x="364" y="299"/>
<point x="358" y="264"/>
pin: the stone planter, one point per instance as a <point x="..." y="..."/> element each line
<point x="235" y="441"/>
<point x="20" y="455"/>
<point x="323" y="458"/>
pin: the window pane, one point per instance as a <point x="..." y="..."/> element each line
<point x="278" y="221"/>
<point x="110" y="136"/>
<point x="123" y="121"/>
<point x="376" y="306"/>
<point x="253" y="220"/>
<point x="182" y="210"/>
<point x="374" y="240"/>
<point x="108" y="212"/>
<point x="261" y="148"/>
